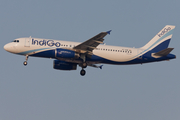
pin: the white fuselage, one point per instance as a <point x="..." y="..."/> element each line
<point x="30" y="46"/>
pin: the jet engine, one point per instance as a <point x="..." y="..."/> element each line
<point x="62" y="65"/>
<point x="64" y="53"/>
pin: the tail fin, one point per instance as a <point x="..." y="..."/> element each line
<point x="161" y="40"/>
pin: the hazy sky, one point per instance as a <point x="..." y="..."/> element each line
<point x="134" y="92"/>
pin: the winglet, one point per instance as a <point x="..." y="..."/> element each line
<point x="100" y="66"/>
<point x="108" y="32"/>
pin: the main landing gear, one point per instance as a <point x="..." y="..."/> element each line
<point x="25" y="62"/>
<point x="82" y="72"/>
<point x="83" y="65"/>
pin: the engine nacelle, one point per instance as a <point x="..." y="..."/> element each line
<point x="62" y="65"/>
<point x="63" y="53"/>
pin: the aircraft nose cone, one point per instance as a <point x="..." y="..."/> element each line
<point x="6" y="47"/>
<point x="9" y="48"/>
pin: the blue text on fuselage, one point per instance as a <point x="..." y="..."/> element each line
<point x="50" y="43"/>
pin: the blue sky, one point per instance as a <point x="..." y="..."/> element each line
<point x="138" y="92"/>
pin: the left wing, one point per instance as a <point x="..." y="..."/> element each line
<point x="89" y="45"/>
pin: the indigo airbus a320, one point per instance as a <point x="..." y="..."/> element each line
<point x="68" y="55"/>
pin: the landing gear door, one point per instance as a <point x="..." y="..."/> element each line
<point x="27" y="42"/>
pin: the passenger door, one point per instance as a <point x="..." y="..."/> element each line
<point x="27" y="42"/>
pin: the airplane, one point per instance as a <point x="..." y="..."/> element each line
<point x="68" y="55"/>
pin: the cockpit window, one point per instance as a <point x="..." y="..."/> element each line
<point x="16" y="41"/>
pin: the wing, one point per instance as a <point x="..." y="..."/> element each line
<point x="89" y="45"/>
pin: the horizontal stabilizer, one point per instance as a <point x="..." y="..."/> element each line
<point x="164" y="52"/>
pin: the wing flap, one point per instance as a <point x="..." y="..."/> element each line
<point x="100" y="42"/>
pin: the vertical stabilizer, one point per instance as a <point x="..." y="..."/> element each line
<point x="161" y="40"/>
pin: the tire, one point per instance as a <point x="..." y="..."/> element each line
<point x="25" y="63"/>
<point x="84" y="65"/>
<point x="83" y="72"/>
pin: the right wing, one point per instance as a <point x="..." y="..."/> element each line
<point x="89" y="45"/>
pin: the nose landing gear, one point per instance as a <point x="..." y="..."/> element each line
<point x="25" y="62"/>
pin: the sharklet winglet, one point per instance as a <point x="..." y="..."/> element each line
<point x="100" y="66"/>
<point x="108" y="32"/>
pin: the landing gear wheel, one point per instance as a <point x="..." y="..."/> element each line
<point x="25" y="63"/>
<point x="83" y="72"/>
<point x="84" y="65"/>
